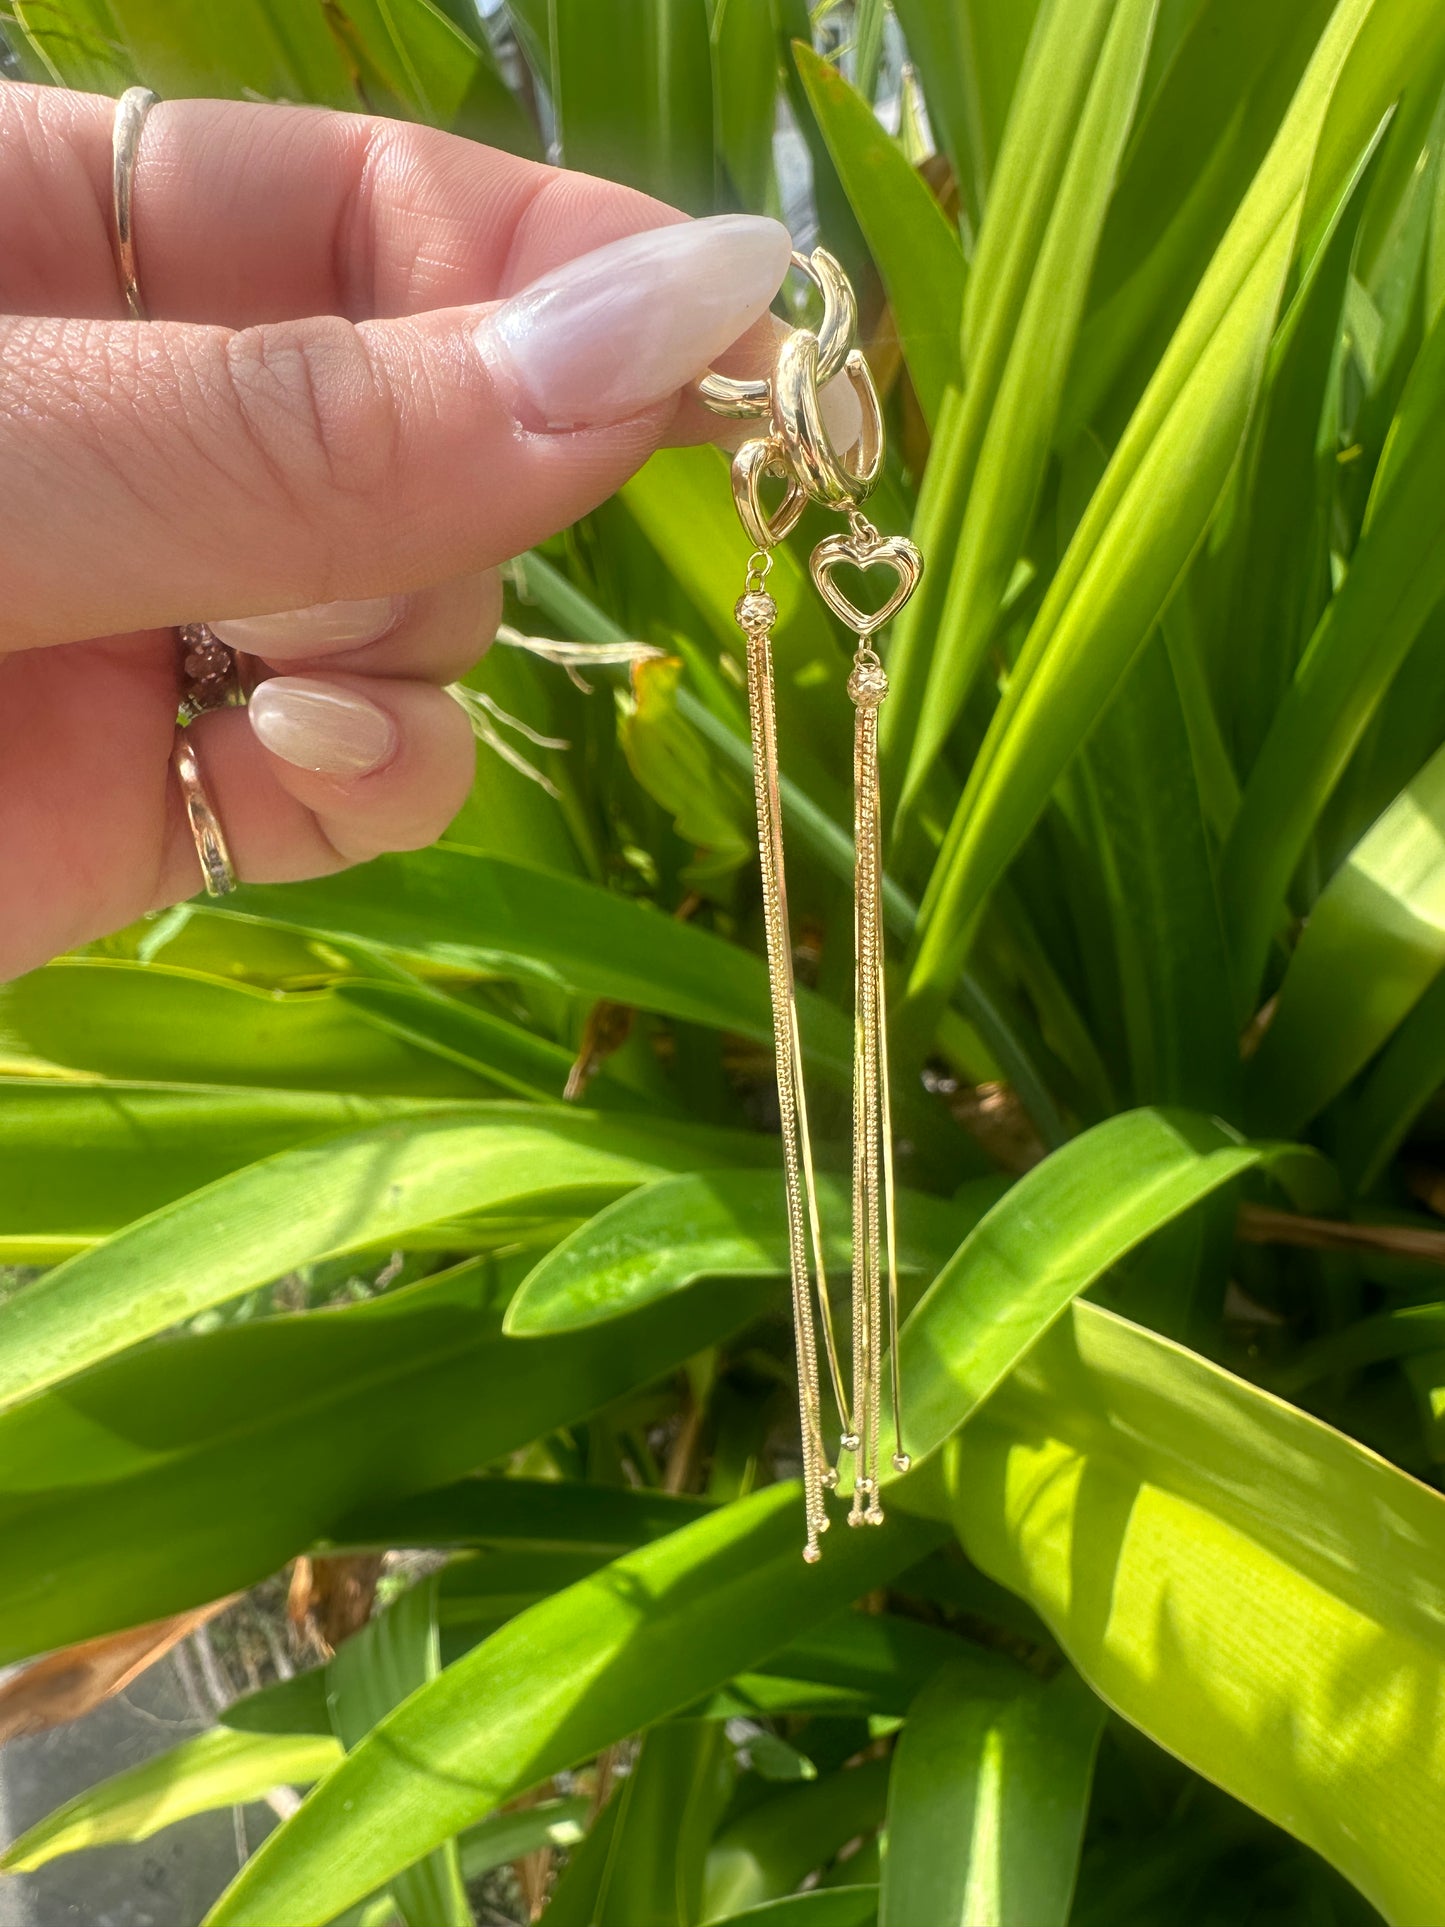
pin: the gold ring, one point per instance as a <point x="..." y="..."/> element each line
<point x="728" y="395"/>
<point x="130" y="117"/>
<point x="217" y="870"/>
<point x="208" y="668"/>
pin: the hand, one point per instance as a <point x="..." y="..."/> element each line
<point x="338" y="426"/>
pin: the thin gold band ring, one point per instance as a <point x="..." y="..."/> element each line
<point x="217" y="871"/>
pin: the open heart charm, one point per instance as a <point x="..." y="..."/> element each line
<point x="893" y="552"/>
<point x="752" y="462"/>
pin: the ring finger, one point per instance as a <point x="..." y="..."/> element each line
<point x="433" y="635"/>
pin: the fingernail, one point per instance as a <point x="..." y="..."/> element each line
<point x="603" y="336"/>
<point x="317" y="726"/>
<point x="324" y="625"/>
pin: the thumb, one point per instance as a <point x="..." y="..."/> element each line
<point x="171" y="469"/>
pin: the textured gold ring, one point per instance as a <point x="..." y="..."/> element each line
<point x="209" y="674"/>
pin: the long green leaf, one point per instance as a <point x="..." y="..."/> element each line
<point x="633" y="96"/>
<point x="459" y="907"/>
<point x="78" y="1161"/>
<point x="666" y="1813"/>
<point x="1396" y="578"/>
<point x="182" y="1472"/>
<point x="373" y="1672"/>
<point x="150" y="1024"/>
<point x="986" y="1805"/>
<point x="1410" y="1071"/>
<point x="854" y="1906"/>
<point x="769" y="1849"/>
<point x="1158" y="880"/>
<point x="917" y="250"/>
<point x="1056" y="1231"/>
<point x="544" y="1514"/>
<point x="968" y="54"/>
<point x="376" y="1188"/>
<point x="1259" y="1593"/>
<point x="220" y="1768"/>
<point x="582" y="1669"/>
<point x="1045" y="216"/>
<point x="1374" y="943"/>
<point x="708" y="1224"/>
<point x="1157" y="495"/>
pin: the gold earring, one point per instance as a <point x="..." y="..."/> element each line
<point x="796" y="448"/>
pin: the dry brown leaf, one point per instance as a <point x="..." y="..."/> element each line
<point x="70" y="1682"/>
<point x="1261" y="1226"/>
<point x="330" y="1599"/>
<point x="607" y="1029"/>
<point x="997" y="1122"/>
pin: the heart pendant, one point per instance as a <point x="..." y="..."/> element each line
<point x="893" y="552"/>
<point x="752" y="462"/>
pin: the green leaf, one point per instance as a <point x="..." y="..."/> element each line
<point x="987" y="1803"/>
<point x="1031" y="274"/>
<point x="78" y="1161"/>
<point x="1257" y="1592"/>
<point x="745" y="92"/>
<point x="632" y="91"/>
<point x="521" y="1063"/>
<point x="824" y="1907"/>
<point x="1226" y="73"/>
<point x="546" y="1514"/>
<point x="1156" y="498"/>
<point x="220" y="1768"/>
<point x="253" y="49"/>
<point x="614" y="1653"/>
<point x="373" y="1672"/>
<point x="416" y="63"/>
<point x="682" y="502"/>
<point x="1374" y="943"/>
<point x="71" y="43"/>
<point x="1051" y="1235"/>
<point x="156" y="1025"/>
<point x="708" y="1224"/>
<point x="1396" y="578"/>
<point x="1279" y="560"/>
<point x="1158" y="880"/>
<point x="1410" y="1071"/>
<point x="769" y="1849"/>
<point x="916" y="248"/>
<point x="833" y="1906"/>
<point x="458" y="907"/>
<point x="188" y="1470"/>
<point x="665" y="1815"/>
<point x="968" y="54"/>
<point x="375" y="1188"/>
<point x="711" y="807"/>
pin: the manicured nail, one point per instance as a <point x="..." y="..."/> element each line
<point x="614" y="331"/>
<point x="317" y="726"/>
<point x="324" y="625"/>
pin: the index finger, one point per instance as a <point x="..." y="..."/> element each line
<point x="249" y="213"/>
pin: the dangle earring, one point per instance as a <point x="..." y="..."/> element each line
<point x="797" y="450"/>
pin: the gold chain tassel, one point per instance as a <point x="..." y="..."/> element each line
<point x="756" y="612"/>
<point x="874" y="1236"/>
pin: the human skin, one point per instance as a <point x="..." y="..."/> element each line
<point x="307" y="424"/>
